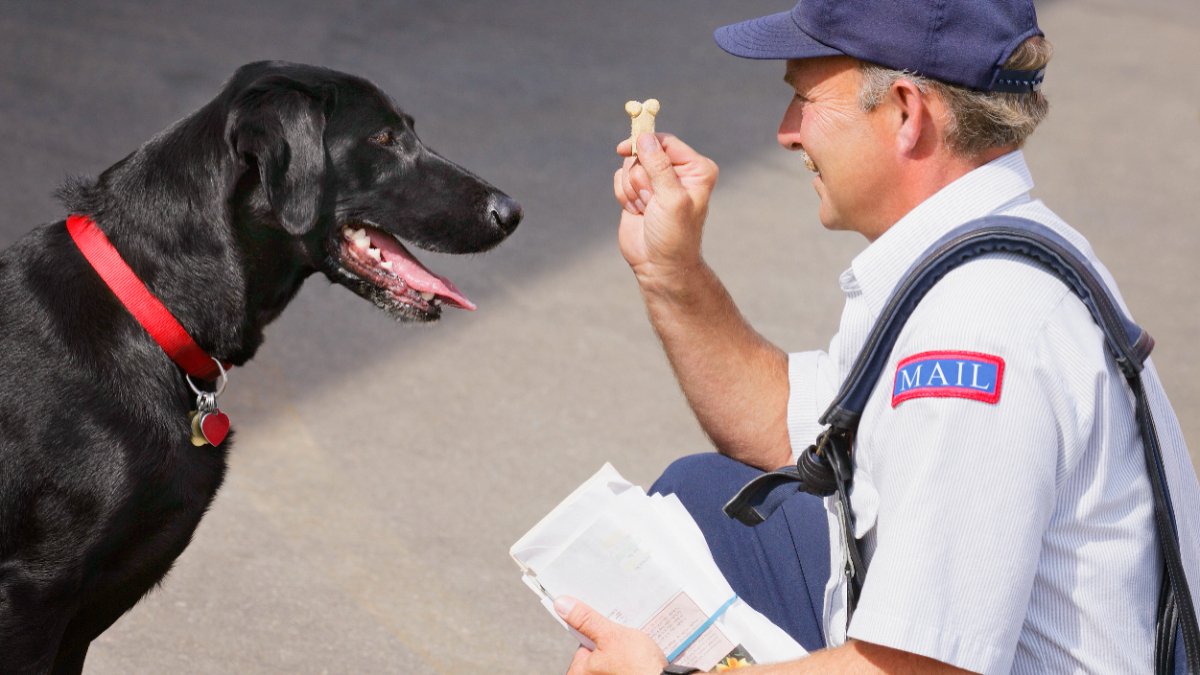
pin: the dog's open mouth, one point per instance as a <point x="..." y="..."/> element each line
<point x="380" y="259"/>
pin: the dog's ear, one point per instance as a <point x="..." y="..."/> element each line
<point x="280" y="125"/>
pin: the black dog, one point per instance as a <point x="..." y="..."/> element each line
<point x="291" y="170"/>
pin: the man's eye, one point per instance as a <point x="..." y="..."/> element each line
<point x="384" y="138"/>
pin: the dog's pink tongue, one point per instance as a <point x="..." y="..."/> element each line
<point x="417" y="276"/>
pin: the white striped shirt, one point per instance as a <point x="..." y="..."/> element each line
<point x="1006" y="537"/>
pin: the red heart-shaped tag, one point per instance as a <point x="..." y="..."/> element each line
<point x="215" y="426"/>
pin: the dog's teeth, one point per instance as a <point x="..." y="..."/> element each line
<point x="427" y="295"/>
<point x="387" y="265"/>
<point x="348" y="233"/>
<point x="360" y="233"/>
<point x="374" y="253"/>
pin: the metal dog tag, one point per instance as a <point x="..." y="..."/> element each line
<point x="197" y="435"/>
<point x="213" y="426"/>
<point x="209" y="424"/>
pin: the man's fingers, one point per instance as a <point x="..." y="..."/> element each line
<point x="581" y="655"/>
<point x="582" y="618"/>
<point x="657" y="165"/>
<point x="579" y="662"/>
<point x="626" y="194"/>
<point x="616" y="650"/>
<point x="619" y="184"/>
<point x="636" y="184"/>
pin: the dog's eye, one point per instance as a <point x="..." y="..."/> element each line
<point x="384" y="138"/>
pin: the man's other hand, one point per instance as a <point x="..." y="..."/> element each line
<point x="619" y="650"/>
<point x="665" y="195"/>
<point x="625" y="651"/>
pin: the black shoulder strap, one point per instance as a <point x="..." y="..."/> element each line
<point x="823" y="468"/>
<point x="1129" y="344"/>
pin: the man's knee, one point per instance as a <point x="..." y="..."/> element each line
<point x="710" y="474"/>
<point x="766" y="564"/>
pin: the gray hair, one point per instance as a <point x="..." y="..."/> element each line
<point x="975" y="121"/>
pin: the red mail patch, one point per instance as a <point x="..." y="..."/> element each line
<point x="949" y="374"/>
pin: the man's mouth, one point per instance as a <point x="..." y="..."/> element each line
<point x="381" y="260"/>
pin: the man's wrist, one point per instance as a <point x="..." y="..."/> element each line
<point x="677" y="284"/>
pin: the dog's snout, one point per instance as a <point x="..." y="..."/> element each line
<point x="506" y="212"/>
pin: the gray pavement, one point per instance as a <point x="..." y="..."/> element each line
<point x="381" y="471"/>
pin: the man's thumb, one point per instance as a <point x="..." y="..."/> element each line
<point x="580" y="617"/>
<point x="657" y="164"/>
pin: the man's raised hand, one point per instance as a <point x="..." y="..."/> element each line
<point x="665" y="194"/>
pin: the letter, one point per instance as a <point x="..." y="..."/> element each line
<point x="960" y="365"/>
<point x="937" y="372"/>
<point x="975" y="379"/>
<point x="907" y="382"/>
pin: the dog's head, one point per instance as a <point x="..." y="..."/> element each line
<point x="341" y="170"/>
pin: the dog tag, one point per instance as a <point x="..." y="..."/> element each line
<point x="213" y="426"/>
<point x="209" y="425"/>
<point x="197" y="435"/>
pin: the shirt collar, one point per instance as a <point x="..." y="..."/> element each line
<point x="880" y="266"/>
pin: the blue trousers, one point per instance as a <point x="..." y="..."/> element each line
<point x="778" y="567"/>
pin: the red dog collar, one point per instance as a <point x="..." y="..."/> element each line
<point x="147" y="309"/>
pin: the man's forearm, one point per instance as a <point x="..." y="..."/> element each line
<point x="620" y="650"/>
<point x="734" y="379"/>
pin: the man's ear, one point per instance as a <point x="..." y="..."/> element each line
<point x="278" y="124"/>
<point x="912" y="116"/>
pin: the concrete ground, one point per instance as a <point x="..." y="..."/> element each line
<point x="381" y="471"/>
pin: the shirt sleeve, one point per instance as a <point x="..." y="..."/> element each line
<point x="812" y="379"/>
<point x="953" y="495"/>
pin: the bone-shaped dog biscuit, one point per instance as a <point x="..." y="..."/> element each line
<point x="642" y="117"/>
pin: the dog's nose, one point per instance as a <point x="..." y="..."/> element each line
<point x="506" y="212"/>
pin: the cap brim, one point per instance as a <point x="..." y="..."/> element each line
<point x="770" y="37"/>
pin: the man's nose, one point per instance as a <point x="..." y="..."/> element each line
<point x="789" y="128"/>
<point x="790" y="140"/>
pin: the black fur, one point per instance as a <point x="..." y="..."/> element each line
<point x="222" y="216"/>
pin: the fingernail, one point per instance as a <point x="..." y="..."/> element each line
<point x="645" y="195"/>
<point x="641" y="206"/>
<point x="563" y="604"/>
<point x="629" y="207"/>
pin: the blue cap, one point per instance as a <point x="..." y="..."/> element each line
<point x="963" y="42"/>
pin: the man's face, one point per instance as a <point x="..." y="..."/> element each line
<point x="846" y="146"/>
